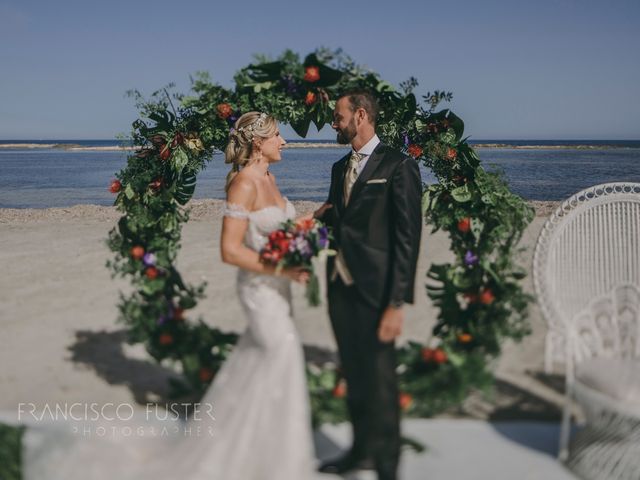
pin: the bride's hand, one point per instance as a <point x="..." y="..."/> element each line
<point x="297" y="274"/>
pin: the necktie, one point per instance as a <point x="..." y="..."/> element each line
<point x="352" y="174"/>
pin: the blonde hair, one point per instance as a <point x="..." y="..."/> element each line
<point x="247" y="128"/>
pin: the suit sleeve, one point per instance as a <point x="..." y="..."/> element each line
<point x="406" y="229"/>
<point x="327" y="218"/>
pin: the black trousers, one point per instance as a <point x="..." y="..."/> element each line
<point x="369" y="367"/>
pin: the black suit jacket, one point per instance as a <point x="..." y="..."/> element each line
<point x="379" y="231"/>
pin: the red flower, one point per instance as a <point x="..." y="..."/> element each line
<point x="414" y="150"/>
<point x="165" y="339"/>
<point x="427" y="354"/>
<point x="452" y="154"/>
<point x="310" y="99"/>
<point x="440" y="356"/>
<point x="276" y="235"/>
<point x="487" y="297"/>
<point x="178" y="313"/>
<point x="205" y="374"/>
<point x="165" y="153"/>
<point x="283" y="245"/>
<point x="340" y="390"/>
<point x="224" y="110"/>
<point x="405" y="400"/>
<point x="464" y="225"/>
<point x="115" y="186"/>
<point x="470" y="297"/>
<point x="156" y="184"/>
<point x="445" y="124"/>
<point x="151" y="273"/>
<point x="137" y="252"/>
<point x="465" y="338"/>
<point x="436" y="355"/>
<point x="312" y="74"/>
<point x="177" y="140"/>
<point x="432" y="128"/>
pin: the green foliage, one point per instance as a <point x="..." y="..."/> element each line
<point x="10" y="452"/>
<point x="480" y="303"/>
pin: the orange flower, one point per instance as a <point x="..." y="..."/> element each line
<point x="115" y="186"/>
<point x="340" y="390"/>
<point x="306" y="225"/>
<point x="487" y="297"/>
<point x="414" y="150"/>
<point x="311" y="74"/>
<point x="464" y="338"/>
<point x="165" y="339"/>
<point x="464" y="225"/>
<point x="310" y="99"/>
<point x="151" y="273"/>
<point x="205" y="374"/>
<point x="137" y="252"/>
<point x="224" y="110"/>
<point x="452" y="153"/>
<point x="405" y="400"/>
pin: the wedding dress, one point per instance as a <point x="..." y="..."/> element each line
<point x="261" y="428"/>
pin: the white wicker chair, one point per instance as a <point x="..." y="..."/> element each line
<point x="586" y="272"/>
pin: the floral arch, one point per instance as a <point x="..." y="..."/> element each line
<point x="478" y="295"/>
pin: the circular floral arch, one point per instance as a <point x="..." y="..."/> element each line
<point x="478" y="295"/>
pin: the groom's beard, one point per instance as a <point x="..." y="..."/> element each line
<point x="347" y="134"/>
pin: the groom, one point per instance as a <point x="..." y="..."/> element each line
<point x="374" y="210"/>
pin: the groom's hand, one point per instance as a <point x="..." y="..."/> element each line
<point x="322" y="210"/>
<point x="390" y="324"/>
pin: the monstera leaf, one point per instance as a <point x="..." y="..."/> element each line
<point x="328" y="76"/>
<point x="301" y="127"/>
<point x="265" y="72"/>
<point x="185" y="187"/>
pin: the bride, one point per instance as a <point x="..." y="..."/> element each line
<point x="260" y="428"/>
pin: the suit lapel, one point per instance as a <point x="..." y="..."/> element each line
<point x="371" y="166"/>
<point x="340" y="183"/>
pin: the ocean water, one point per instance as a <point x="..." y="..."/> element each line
<point x="51" y="177"/>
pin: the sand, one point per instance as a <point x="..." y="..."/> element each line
<point x="61" y="342"/>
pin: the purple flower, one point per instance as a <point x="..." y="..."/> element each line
<point x="301" y="245"/>
<point x="162" y="319"/>
<point x="406" y="140"/>
<point x="470" y="258"/>
<point x="149" y="259"/>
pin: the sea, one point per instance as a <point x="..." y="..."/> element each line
<point x="534" y="169"/>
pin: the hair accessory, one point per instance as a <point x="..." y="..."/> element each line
<point x="250" y="129"/>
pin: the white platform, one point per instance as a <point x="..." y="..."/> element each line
<point x="466" y="450"/>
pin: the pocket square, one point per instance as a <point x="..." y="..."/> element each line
<point x="377" y="180"/>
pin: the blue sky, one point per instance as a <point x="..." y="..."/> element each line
<point x="549" y="69"/>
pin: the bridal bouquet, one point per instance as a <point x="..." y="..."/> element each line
<point x="300" y="244"/>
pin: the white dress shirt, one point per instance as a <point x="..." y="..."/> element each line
<point x="367" y="150"/>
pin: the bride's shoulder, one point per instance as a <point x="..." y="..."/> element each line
<point x="242" y="191"/>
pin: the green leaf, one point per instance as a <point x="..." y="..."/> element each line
<point x="461" y="194"/>
<point x="426" y="200"/>
<point x="128" y="191"/>
<point x="179" y="159"/>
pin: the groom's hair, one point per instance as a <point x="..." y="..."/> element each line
<point x="361" y="98"/>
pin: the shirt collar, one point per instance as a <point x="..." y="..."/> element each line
<point x="370" y="146"/>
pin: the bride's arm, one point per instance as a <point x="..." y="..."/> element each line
<point x="233" y="251"/>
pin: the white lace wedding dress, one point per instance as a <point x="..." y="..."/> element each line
<point x="259" y="398"/>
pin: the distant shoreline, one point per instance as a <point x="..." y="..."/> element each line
<point x="77" y="147"/>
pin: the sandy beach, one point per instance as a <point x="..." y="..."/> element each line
<point x="61" y="342"/>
